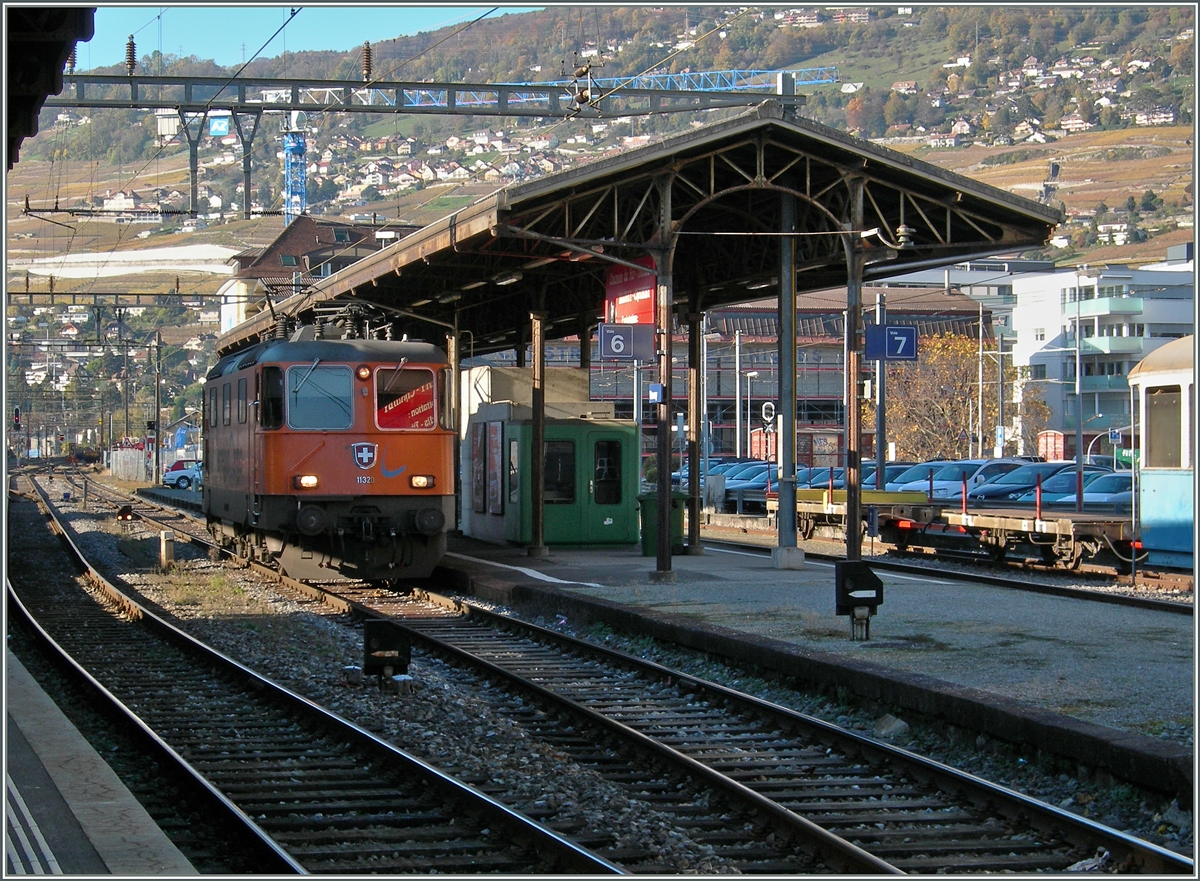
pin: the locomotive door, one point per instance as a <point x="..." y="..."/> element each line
<point x="256" y="446"/>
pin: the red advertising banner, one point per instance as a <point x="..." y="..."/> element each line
<point x="629" y="295"/>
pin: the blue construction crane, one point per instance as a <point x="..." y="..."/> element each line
<point x="295" y="170"/>
<point x="713" y="80"/>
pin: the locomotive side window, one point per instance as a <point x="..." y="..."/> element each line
<point x="226" y="404"/>
<point x="320" y="397"/>
<point x="212" y="407"/>
<point x="241" y="402"/>
<point x="560" y="472"/>
<point x="270" y="414"/>
<point x="404" y="398"/>
<point x="445" y="408"/>
<point x="1164" y="427"/>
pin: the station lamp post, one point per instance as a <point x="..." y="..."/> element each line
<point x="750" y="374"/>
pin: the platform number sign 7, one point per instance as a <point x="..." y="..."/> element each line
<point x="891" y="342"/>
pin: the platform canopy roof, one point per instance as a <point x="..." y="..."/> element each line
<point x="547" y="244"/>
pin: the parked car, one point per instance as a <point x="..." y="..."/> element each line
<point x="181" y="465"/>
<point x="192" y="476"/>
<point x="948" y="480"/>
<point x="759" y="477"/>
<point x="1012" y="485"/>
<point x="891" y="470"/>
<point x="1110" y="490"/>
<point x="818" y="478"/>
<point x="920" y="471"/>
<point x="1060" y="488"/>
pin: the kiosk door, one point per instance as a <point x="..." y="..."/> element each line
<point x="563" y="493"/>
<point x="611" y="510"/>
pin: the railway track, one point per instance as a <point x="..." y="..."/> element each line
<point x="910" y="814"/>
<point x="853" y="766"/>
<point x="313" y="792"/>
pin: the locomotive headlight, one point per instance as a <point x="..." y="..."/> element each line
<point x="363" y="372"/>
<point x="305" y="481"/>
<point x="421" y="481"/>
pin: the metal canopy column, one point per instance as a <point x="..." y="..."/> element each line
<point x="880" y="401"/>
<point x="853" y="434"/>
<point x="787" y="555"/>
<point x="694" y="421"/>
<point x="664" y="255"/>
<point x="537" y="452"/>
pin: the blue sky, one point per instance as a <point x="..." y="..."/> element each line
<point x="220" y="32"/>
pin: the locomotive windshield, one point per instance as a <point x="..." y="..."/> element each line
<point x="404" y="398"/>
<point x="320" y="396"/>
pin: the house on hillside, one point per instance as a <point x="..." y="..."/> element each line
<point x="305" y="251"/>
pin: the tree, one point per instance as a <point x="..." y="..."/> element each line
<point x="932" y="403"/>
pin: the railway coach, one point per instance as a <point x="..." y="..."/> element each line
<point x="331" y="458"/>
<point x="1165" y="480"/>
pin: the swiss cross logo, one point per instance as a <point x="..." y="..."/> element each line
<point x="364" y="455"/>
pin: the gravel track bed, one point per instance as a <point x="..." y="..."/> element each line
<point x="460" y="726"/>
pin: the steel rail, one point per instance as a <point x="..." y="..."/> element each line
<point x="553" y="848"/>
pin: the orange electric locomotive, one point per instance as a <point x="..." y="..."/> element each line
<point x="331" y="458"/>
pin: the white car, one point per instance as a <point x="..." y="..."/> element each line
<point x="192" y="476"/>
<point x="948" y="479"/>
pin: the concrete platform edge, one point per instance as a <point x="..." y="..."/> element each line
<point x="1152" y="763"/>
<point x="125" y="836"/>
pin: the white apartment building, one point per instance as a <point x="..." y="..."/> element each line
<point x="1124" y="314"/>
<point x="1120" y="314"/>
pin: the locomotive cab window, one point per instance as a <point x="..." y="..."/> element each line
<point x="212" y="407"/>
<point x="404" y="398"/>
<point x="320" y="396"/>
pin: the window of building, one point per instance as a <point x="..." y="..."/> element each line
<point x="1037" y="371"/>
<point x="607" y="462"/>
<point x="341" y="235"/>
<point x="560" y="472"/>
<point x="288" y="260"/>
<point x="1039" y="334"/>
<point x="514" y="471"/>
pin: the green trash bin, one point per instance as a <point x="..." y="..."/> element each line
<point x="649" y="507"/>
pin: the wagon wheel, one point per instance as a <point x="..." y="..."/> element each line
<point x="998" y="550"/>
<point x="1074" y="555"/>
<point x="806" y="527"/>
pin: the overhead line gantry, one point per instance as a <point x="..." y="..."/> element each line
<point x="246" y="99"/>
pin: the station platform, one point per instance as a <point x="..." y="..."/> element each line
<point x="1091" y="681"/>
<point x="67" y="812"/>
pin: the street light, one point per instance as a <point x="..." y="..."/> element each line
<point x="750" y="374"/>
<point x="1092" y="442"/>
